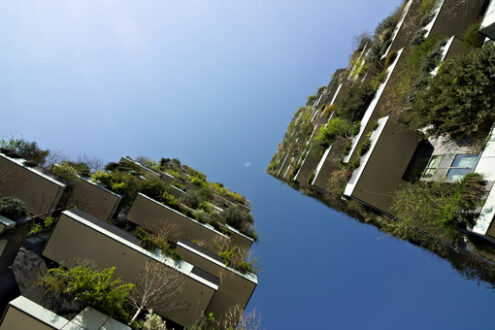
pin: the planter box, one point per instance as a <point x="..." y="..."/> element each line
<point x="383" y="166"/>
<point x="40" y="192"/>
<point x="79" y="235"/>
<point x="23" y="313"/>
<point x="92" y="198"/>
<point x="158" y="218"/>
<point x="235" y="288"/>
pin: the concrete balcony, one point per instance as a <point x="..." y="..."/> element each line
<point x="159" y="218"/>
<point x="453" y="18"/>
<point x="40" y="192"/>
<point x="79" y="235"/>
<point x="373" y="110"/>
<point x="309" y="163"/>
<point x="23" y="313"/>
<point x="235" y="288"/>
<point x="402" y="34"/>
<point x="144" y="169"/>
<point x="383" y="166"/>
<point x="92" y="198"/>
<point x="238" y="239"/>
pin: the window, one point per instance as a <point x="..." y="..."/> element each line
<point x="432" y="166"/>
<point x="461" y="165"/>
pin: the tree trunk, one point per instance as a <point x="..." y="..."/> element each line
<point x="136" y="315"/>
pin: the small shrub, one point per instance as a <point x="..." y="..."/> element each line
<point x="35" y="229"/>
<point x="201" y="216"/>
<point x="472" y="35"/>
<point x="12" y="208"/>
<point x="311" y="99"/>
<point x="119" y="182"/>
<point x="205" y="206"/>
<point x="66" y="172"/>
<point x="82" y="168"/>
<point x="354" y="101"/>
<point x="153" y="321"/>
<point x="170" y="199"/>
<point x="191" y="199"/>
<point x="92" y="287"/>
<point x="336" y="127"/>
<point x="364" y="147"/>
<point x="237" y="219"/>
<point x="152" y="187"/>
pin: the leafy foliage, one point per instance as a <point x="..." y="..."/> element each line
<point x="233" y="257"/>
<point x="236" y="218"/>
<point x="151" y="242"/>
<point x="460" y="100"/>
<point x="438" y="208"/>
<point x="336" y="127"/>
<point x="92" y="287"/>
<point x="20" y="148"/>
<point x="66" y="172"/>
<point x="354" y="101"/>
<point x="12" y="207"/>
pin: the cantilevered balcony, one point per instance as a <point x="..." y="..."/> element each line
<point x="372" y="111"/>
<point x="382" y="166"/>
<point x="92" y="198"/>
<point x="40" y="191"/>
<point x="401" y="34"/>
<point x="450" y="17"/>
<point x="159" y="218"/>
<point x="235" y="288"/>
<point x="78" y="235"/>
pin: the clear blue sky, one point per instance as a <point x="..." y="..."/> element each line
<point x="215" y="83"/>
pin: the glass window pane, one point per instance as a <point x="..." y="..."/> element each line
<point x="430" y="172"/>
<point x="468" y="161"/>
<point x="435" y="161"/>
<point x="455" y="174"/>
